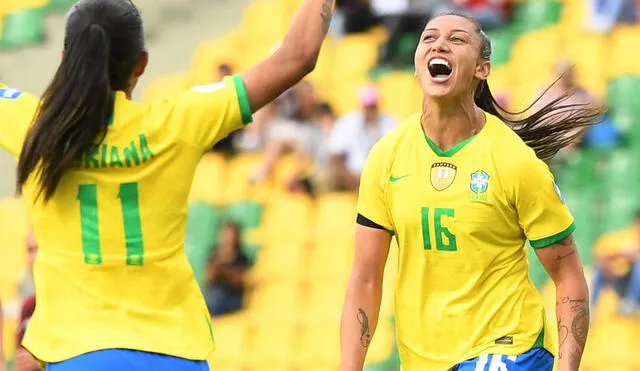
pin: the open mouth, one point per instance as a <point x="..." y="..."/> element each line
<point x="440" y="69"/>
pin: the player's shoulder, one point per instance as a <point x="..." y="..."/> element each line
<point x="12" y="96"/>
<point x="509" y="149"/>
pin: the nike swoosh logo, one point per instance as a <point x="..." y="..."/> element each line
<point x="395" y="179"/>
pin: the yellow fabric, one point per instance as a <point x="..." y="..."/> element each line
<point x="111" y="271"/>
<point x="16" y="112"/>
<point x="463" y="271"/>
<point x="616" y="243"/>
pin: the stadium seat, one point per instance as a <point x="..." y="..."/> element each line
<point x="208" y="56"/>
<point x="246" y="214"/>
<point x="23" y="27"/>
<point x="401" y="106"/>
<point x="622" y="97"/>
<point x="335" y="214"/>
<point x="589" y="52"/>
<point x="279" y="262"/>
<point x="624" y="58"/>
<point x="230" y="333"/>
<point x="240" y="187"/>
<point x="287" y="220"/>
<point x="500" y="80"/>
<point x="258" y="29"/>
<point x="355" y="54"/>
<point x="209" y="181"/>
<point x="272" y="345"/>
<point x="501" y="43"/>
<point x="203" y="224"/>
<point x="319" y="344"/>
<point x="346" y="90"/>
<point x="59" y="5"/>
<point x="574" y="17"/>
<point x="536" y="14"/>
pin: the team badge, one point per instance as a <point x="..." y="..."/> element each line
<point x="9" y="94"/>
<point x="442" y="175"/>
<point x="479" y="181"/>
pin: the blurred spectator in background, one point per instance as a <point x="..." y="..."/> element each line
<point x="352" y="16"/>
<point x="489" y="13"/>
<point x="226" y="273"/>
<point x="311" y="175"/>
<point x="617" y="258"/>
<point x="401" y="17"/>
<point x="226" y="146"/>
<point x="606" y="13"/>
<point x="564" y="71"/>
<point x="294" y="130"/>
<point x="353" y="137"/>
<point x="24" y="361"/>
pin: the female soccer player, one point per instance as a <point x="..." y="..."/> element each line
<point x="462" y="192"/>
<point x="107" y="182"/>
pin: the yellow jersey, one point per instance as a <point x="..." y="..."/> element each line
<point x="462" y="218"/>
<point x="111" y="270"/>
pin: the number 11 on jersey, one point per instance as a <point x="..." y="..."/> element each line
<point x="129" y="200"/>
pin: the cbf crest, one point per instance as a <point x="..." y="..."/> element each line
<point x="442" y="175"/>
<point x="479" y="181"/>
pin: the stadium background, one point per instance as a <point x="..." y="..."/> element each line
<point x="302" y="247"/>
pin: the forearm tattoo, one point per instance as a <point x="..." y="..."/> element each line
<point x="365" y="332"/>
<point x="572" y="331"/>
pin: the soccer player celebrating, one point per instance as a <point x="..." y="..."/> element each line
<point x="462" y="189"/>
<point x="106" y="180"/>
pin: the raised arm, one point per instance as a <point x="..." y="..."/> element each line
<point x="562" y="262"/>
<point x="295" y="58"/>
<point x="364" y="293"/>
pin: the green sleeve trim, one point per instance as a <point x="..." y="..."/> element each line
<point x="243" y="99"/>
<point x="544" y="242"/>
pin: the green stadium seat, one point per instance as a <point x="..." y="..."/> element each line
<point x="501" y="41"/>
<point x="60" y="5"/>
<point x="536" y="14"/>
<point x="23" y="28"/>
<point x="246" y="214"/>
<point x="622" y="96"/>
<point x="203" y="224"/>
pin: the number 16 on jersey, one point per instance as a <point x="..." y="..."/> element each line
<point x="445" y="240"/>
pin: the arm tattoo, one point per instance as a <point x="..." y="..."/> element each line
<point x="326" y="13"/>
<point x="563" y="334"/>
<point x="578" y="332"/>
<point x="365" y="333"/>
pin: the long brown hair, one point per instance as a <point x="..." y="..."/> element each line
<point x="547" y="130"/>
<point x="103" y="42"/>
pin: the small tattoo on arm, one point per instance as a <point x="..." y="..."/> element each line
<point x="562" y="257"/>
<point x="563" y="334"/>
<point x="365" y="333"/>
<point x="326" y="13"/>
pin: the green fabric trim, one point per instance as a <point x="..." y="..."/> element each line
<point x="540" y="340"/>
<point x="451" y="151"/>
<point x="243" y="99"/>
<point x="544" y="242"/>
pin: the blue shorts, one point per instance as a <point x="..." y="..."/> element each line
<point x="537" y="359"/>
<point x="124" y="359"/>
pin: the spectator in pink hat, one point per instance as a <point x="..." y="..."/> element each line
<point x="353" y="137"/>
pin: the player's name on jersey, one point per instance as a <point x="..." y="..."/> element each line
<point x="105" y="155"/>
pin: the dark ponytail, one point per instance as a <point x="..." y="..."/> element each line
<point x="78" y="103"/>
<point x="549" y="129"/>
